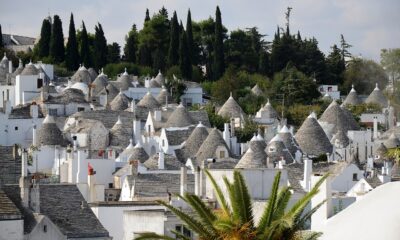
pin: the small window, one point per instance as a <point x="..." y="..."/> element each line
<point x="52" y="111"/>
<point x="81" y="109"/>
<point x="271" y="149"/>
<point x="183" y="230"/>
<point x="44" y="228"/>
<point x="16" y="128"/>
<point x="39" y="83"/>
<point x="163" y="142"/>
<point x="221" y="154"/>
<point x="355" y="177"/>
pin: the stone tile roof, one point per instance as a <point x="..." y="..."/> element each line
<point x="177" y="136"/>
<point x="288" y="140"/>
<point x="13" y="192"/>
<point x="149" y="102"/>
<point x="125" y="81"/>
<point x="373" y="181"/>
<point x="120" y="102"/>
<point x="30" y="70"/>
<point x="224" y="163"/>
<point x="295" y="175"/>
<point x="49" y="134"/>
<point x="179" y="118"/>
<point x="312" y="138"/>
<point x="23" y="112"/>
<point x="99" y="84"/>
<point x="8" y="210"/>
<point x="256" y="90"/>
<point x="269" y="111"/>
<point x="163" y="95"/>
<point x="377" y="97"/>
<point x="231" y="109"/>
<point x="82" y="75"/>
<point x="170" y="162"/>
<point x="160" y="79"/>
<point x="10" y="165"/>
<point x="120" y="135"/>
<point x="112" y="91"/>
<point x="93" y="74"/>
<point x="279" y="151"/>
<point x="109" y="117"/>
<point x="61" y="203"/>
<point x="159" y="184"/>
<point x="250" y="160"/>
<point x="138" y="153"/>
<point x="337" y="118"/>
<point x="341" y="137"/>
<point x="392" y="142"/>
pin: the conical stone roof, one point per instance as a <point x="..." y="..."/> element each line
<point x="312" y="138"/>
<point x="120" y="102"/>
<point x="256" y="90"/>
<point x="352" y="98"/>
<point x="49" y="134"/>
<point x="194" y="141"/>
<point x="276" y="151"/>
<point x="99" y="83"/>
<point x="112" y="92"/>
<point x="231" y="109"/>
<point x="392" y="142"/>
<point x="377" y="97"/>
<point x="250" y="160"/>
<point x="125" y="81"/>
<point x="336" y="117"/>
<point x="148" y="101"/>
<point x="119" y="135"/>
<point x="93" y="74"/>
<point x="160" y="79"/>
<point x="381" y="150"/>
<point x="138" y="153"/>
<point x="30" y="70"/>
<point x="179" y="118"/>
<point x="288" y="140"/>
<point x="82" y="75"/>
<point x="210" y="145"/>
<point x="340" y="138"/>
<point x="268" y="111"/>
<point x="163" y="95"/>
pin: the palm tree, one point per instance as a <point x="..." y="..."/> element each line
<point x="235" y="220"/>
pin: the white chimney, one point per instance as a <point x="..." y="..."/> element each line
<point x="227" y="135"/>
<point x="24" y="164"/>
<point x="183" y="180"/>
<point x="7" y="107"/>
<point x="34" y="136"/>
<point x="319" y="218"/>
<point x="75" y="143"/>
<point x="136" y="130"/>
<point x="34" y="111"/>
<point x="197" y="187"/>
<point x="92" y="188"/>
<point x="10" y="68"/>
<point x="81" y="173"/>
<point x="232" y="127"/>
<point x="157" y="115"/>
<point x="307" y="174"/>
<point x="375" y="127"/>
<point x="161" y="160"/>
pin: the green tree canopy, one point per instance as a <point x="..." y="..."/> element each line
<point x="43" y="46"/>
<point x="114" y="53"/>
<point x="335" y="66"/>
<point x="219" y="58"/>
<point x="86" y="56"/>
<point x="131" y="45"/>
<point x="189" y="34"/>
<point x="184" y="58"/>
<point x="72" y="54"/>
<point x="100" y="47"/>
<point x="173" y="50"/>
<point x="57" y="49"/>
<point x="1" y="38"/>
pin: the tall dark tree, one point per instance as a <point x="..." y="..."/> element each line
<point x="335" y="66"/>
<point x="147" y="18"/>
<point x="219" y="64"/>
<point x="1" y="38"/>
<point x="131" y="45"/>
<point x="163" y="11"/>
<point x="173" y="50"/>
<point x="72" y="54"/>
<point x="189" y="34"/>
<point x="57" y="49"/>
<point x="113" y="53"/>
<point x="100" y="47"/>
<point x="43" y="47"/>
<point x="144" y="55"/>
<point x="184" y="59"/>
<point x="345" y="46"/>
<point x="158" y="60"/>
<point x="84" y="47"/>
<point x="264" y="65"/>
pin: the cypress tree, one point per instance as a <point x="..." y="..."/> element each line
<point x="113" y="53"/>
<point x="189" y="34"/>
<point x="184" y="59"/>
<point x="131" y="45"/>
<point x="72" y="54"/>
<point x="158" y="60"/>
<point x="84" y="50"/>
<point x="1" y="38"/>
<point x="44" y="42"/>
<point x="100" y="47"/>
<point x="57" y="49"/>
<point x="264" y="66"/>
<point x="173" y="55"/>
<point x="147" y="18"/>
<point x="219" y="65"/>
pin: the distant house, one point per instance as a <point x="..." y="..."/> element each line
<point x="18" y="43"/>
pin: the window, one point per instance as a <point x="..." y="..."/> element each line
<point x="16" y="128"/>
<point x="330" y="89"/>
<point x="183" y="230"/>
<point x="163" y="142"/>
<point x="271" y="149"/>
<point x="355" y="178"/>
<point x="221" y="154"/>
<point x="81" y="109"/>
<point x="44" y="228"/>
<point x="39" y="83"/>
<point x="52" y="112"/>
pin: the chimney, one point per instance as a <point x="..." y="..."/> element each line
<point x="81" y="173"/>
<point x="227" y="135"/>
<point x="319" y="218"/>
<point x="375" y="127"/>
<point x="197" y="187"/>
<point x="10" y="68"/>
<point x="34" y="110"/>
<point x="136" y="130"/>
<point x="34" y="136"/>
<point x="133" y="105"/>
<point x="232" y="127"/>
<point x="24" y="164"/>
<point x="92" y="187"/>
<point x="75" y="142"/>
<point x="7" y="107"/>
<point x="24" y="181"/>
<point x="183" y="180"/>
<point x="157" y="115"/>
<point x="161" y="160"/>
<point x="307" y="174"/>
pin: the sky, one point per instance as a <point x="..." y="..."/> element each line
<point x="368" y="25"/>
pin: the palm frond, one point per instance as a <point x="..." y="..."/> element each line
<point x="192" y="223"/>
<point x="180" y="235"/>
<point x="242" y="200"/>
<point x="220" y="196"/>
<point x="152" y="236"/>
<point x="266" y="217"/>
<point x="301" y="221"/>
<point x="307" y="235"/>
<point x="282" y="201"/>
